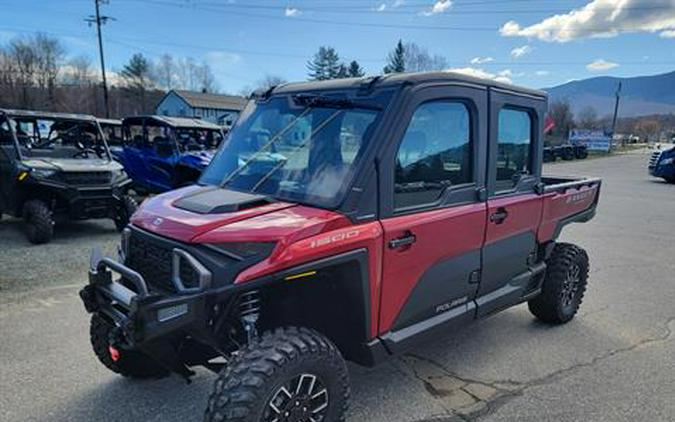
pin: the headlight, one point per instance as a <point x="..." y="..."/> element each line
<point x="244" y="250"/>
<point x="42" y="173"/>
<point x="667" y="161"/>
<point x="119" y="175"/>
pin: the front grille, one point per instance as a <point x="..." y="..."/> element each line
<point x="654" y="159"/>
<point x="87" y="178"/>
<point x="154" y="262"/>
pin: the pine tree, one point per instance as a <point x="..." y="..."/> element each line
<point x="324" y="65"/>
<point x="137" y="76"/>
<point x="396" y="59"/>
<point x="355" y="70"/>
<point x="343" y="71"/>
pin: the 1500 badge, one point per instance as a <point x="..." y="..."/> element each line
<point x="578" y="197"/>
<point x="334" y="238"/>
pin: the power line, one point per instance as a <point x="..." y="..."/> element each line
<point x="99" y="21"/>
<point x="220" y="9"/>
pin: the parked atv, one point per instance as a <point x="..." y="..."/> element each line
<point x="580" y="151"/>
<point x="564" y="152"/>
<point x="55" y="166"/>
<point x="162" y="153"/>
<point x="348" y="219"/>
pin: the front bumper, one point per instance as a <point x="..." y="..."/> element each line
<point x="140" y="315"/>
<point x="85" y="202"/>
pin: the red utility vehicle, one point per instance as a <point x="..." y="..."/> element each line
<point x="340" y="220"/>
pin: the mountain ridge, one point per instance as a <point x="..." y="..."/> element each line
<point x="640" y="95"/>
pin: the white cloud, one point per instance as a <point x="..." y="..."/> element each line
<point x="441" y="6"/>
<point x="381" y="7"/>
<point x="481" y="60"/>
<point x="600" y="18"/>
<point x="221" y="61"/>
<point x="398" y="3"/>
<point x="668" y="34"/>
<point x="600" y="65"/>
<point x="292" y="12"/>
<point x="521" y="51"/>
<point x="542" y="73"/>
<point x="503" y="76"/>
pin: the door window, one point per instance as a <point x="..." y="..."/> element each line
<point x="435" y="153"/>
<point x="6" y="138"/>
<point x="514" y="151"/>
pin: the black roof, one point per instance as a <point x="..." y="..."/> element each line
<point x="395" y="79"/>
<point x="48" y="115"/>
<point x="180" y="122"/>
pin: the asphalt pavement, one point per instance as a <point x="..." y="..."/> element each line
<point x="614" y="362"/>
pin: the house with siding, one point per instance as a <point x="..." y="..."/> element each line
<point x="214" y="108"/>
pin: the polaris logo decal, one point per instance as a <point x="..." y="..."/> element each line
<point x="334" y="238"/>
<point x="449" y="305"/>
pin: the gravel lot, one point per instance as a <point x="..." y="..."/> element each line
<point x="614" y="362"/>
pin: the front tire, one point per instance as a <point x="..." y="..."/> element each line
<point x="129" y="363"/>
<point x="287" y="375"/>
<point x="39" y="222"/>
<point x="125" y="209"/>
<point x="564" y="285"/>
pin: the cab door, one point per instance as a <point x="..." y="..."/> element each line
<point x="514" y="208"/>
<point x="432" y="214"/>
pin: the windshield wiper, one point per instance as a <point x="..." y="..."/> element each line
<point x="322" y="101"/>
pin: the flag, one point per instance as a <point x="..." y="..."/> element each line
<point x="549" y="124"/>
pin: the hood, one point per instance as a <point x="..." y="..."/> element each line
<point x="208" y="214"/>
<point x="197" y="159"/>
<point x="72" y="164"/>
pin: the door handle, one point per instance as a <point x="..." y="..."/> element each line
<point x="499" y="216"/>
<point x="408" y="239"/>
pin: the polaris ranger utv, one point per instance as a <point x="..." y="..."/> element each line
<point x="57" y="166"/>
<point x="162" y="153"/>
<point x="378" y="212"/>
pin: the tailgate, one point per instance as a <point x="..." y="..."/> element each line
<point x="565" y="202"/>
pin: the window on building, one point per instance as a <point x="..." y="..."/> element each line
<point x="435" y="153"/>
<point x="514" y="145"/>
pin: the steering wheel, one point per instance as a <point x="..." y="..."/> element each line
<point x="84" y="152"/>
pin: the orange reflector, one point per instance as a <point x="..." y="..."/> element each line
<point x="22" y="176"/>
<point x="296" y="276"/>
<point x="114" y="353"/>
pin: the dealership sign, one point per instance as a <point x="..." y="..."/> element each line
<point x="595" y="140"/>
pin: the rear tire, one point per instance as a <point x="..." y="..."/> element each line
<point x="39" y="222"/>
<point x="125" y="209"/>
<point x="133" y="364"/>
<point x="564" y="285"/>
<point x="290" y="373"/>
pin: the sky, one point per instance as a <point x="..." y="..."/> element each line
<point x="527" y="42"/>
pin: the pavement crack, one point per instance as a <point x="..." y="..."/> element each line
<point x="458" y="395"/>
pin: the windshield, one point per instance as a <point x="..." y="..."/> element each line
<point x="194" y="139"/>
<point x="58" y="138"/>
<point x="165" y="139"/>
<point x="305" y="153"/>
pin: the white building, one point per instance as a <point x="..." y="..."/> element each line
<point x="215" y="108"/>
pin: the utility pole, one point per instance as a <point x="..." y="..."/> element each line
<point x="99" y="20"/>
<point x="616" y="113"/>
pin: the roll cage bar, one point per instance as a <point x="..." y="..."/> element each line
<point x="7" y="115"/>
